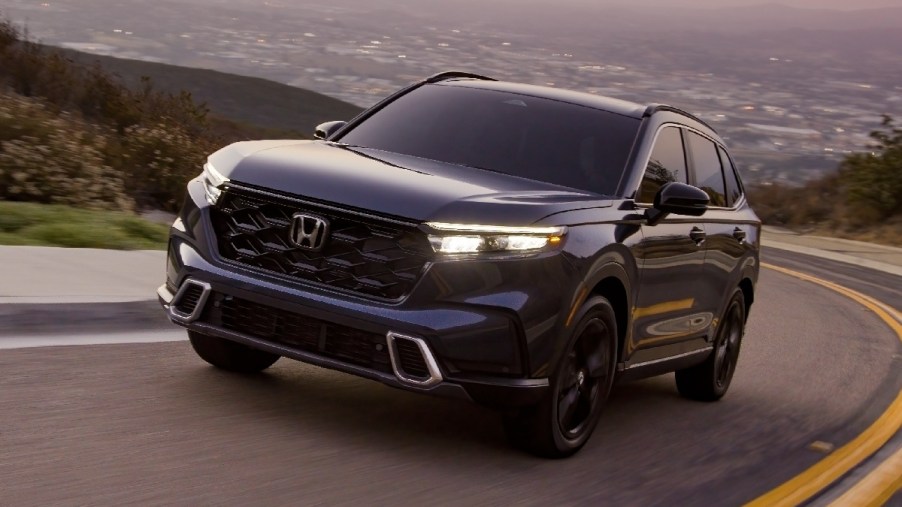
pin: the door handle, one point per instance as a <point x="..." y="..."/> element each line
<point x="697" y="235"/>
<point x="739" y="234"/>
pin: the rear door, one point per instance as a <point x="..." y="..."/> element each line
<point x="711" y="170"/>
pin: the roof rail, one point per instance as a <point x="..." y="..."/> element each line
<point x="654" y="108"/>
<point x="454" y="74"/>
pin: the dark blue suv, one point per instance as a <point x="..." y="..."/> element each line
<point x="519" y="246"/>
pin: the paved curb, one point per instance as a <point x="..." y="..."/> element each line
<point x="81" y="318"/>
<point x="833" y="256"/>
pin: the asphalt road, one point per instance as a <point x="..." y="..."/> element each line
<point x="882" y="286"/>
<point x="150" y="423"/>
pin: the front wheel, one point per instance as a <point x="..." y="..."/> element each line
<point x="563" y="421"/>
<point x="230" y="355"/>
<point x="710" y="380"/>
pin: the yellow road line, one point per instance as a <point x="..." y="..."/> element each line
<point x="825" y="472"/>
<point x="877" y="487"/>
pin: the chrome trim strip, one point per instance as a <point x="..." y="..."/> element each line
<point x="435" y="375"/>
<point x="300" y="200"/>
<point x="671" y="358"/>
<point x="186" y="318"/>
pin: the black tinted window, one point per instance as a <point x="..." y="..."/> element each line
<point x="667" y="163"/>
<point x="541" y="139"/>
<point x="706" y="168"/>
<point x="734" y="189"/>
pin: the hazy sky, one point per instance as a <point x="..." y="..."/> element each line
<point x="827" y="4"/>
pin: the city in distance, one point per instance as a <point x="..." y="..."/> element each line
<point x="792" y="87"/>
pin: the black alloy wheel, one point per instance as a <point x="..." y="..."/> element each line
<point x="583" y="376"/>
<point x="727" y="348"/>
<point x="564" y="420"/>
<point x="710" y="380"/>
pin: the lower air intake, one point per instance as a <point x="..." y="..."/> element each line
<point x="188" y="303"/>
<point x="190" y="297"/>
<point x="412" y="360"/>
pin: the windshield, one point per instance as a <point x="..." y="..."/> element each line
<point x="531" y="137"/>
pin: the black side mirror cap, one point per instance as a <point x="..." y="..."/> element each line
<point x="679" y="199"/>
<point x="325" y="130"/>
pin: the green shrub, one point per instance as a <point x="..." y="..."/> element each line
<point x="76" y="135"/>
<point x="873" y="181"/>
<point x="157" y="162"/>
<point x="55" y="160"/>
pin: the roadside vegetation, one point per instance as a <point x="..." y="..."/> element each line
<point x="862" y="200"/>
<point x="83" y="150"/>
<point x="23" y="223"/>
<point x="73" y="133"/>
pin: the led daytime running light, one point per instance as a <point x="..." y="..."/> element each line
<point x="472" y="238"/>
<point x="497" y="229"/>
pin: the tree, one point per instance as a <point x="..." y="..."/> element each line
<point x="873" y="181"/>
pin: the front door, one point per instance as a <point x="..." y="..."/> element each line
<point x="671" y="256"/>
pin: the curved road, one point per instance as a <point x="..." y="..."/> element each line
<point x="150" y="423"/>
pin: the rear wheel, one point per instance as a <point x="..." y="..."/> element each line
<point x="563" y="421"/>
<point x="710" y="380"/>
<point x="230" y="355"/>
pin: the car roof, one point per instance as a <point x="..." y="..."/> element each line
<point x="621" y="107"/>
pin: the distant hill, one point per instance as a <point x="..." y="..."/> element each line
<point x="88" y="131"/>
<point x="256" y="101"/>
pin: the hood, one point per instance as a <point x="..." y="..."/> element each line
<point x="398" y="185"/>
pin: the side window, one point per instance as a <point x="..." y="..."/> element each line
<point x="667" y="163"/>
<point x="706" y="168"/>
<point x="734" y="189"/>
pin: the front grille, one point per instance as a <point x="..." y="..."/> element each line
<point x="190" y="297"/>
<point x="369" y="256"/>
<point x="300" y="332"/>
<point x="411" y="358"/>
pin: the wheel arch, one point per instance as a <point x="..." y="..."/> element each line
<point x="748" y="294"/>
<point x="614" y="291"/>
<point x="611" y="279"/>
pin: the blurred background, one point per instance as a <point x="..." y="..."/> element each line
<point x="114" y="105"/>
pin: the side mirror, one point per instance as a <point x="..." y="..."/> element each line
<point x="325" y="130"/>
<point x="679" y="199"/>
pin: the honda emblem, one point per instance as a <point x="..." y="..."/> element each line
<point x="308" y="231"/>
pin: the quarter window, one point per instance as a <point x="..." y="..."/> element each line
<point x="706" y="168"/>
<point x="734" y="189"/>
<point x="667" y="163"/>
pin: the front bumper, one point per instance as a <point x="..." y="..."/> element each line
<point x="501" y="392"/>
<point x="474" y="343"/>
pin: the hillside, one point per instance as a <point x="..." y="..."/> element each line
<point x="252" y="100"/>
<point x="102" y="133"/>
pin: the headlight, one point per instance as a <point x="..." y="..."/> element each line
<point x="213" y="182"/>
<point x="470" y="238"/>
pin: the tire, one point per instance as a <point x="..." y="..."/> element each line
<point x="561" y="424"/>
<point x="710" y="380"/>
<point x="230" y="355"/>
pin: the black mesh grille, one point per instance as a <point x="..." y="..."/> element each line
<point x="411" y="358"/>
<point x="365" y="255"/>
<point x="188" y="302"/>
<point x="300" y="332"/>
